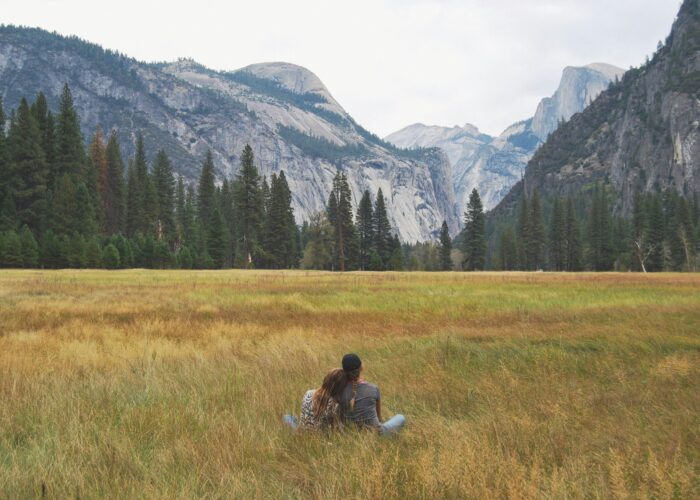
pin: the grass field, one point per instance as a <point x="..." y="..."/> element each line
<point x="169" y="383"/>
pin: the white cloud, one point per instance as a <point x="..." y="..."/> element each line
<point x="388" y="62"/>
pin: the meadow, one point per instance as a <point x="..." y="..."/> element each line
<point x="172" y="384"/>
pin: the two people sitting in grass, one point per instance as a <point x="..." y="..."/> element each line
<point x="345" y="399"/>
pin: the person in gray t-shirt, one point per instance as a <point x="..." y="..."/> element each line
<point x="361" y="402"/>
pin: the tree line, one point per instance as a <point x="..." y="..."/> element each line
<point x="584" y="235"/>
<point x="66" y="205"/>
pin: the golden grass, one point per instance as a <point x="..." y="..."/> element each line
<point x="515" y="385"/>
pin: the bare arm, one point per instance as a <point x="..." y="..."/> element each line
<point x="379" y="409"/>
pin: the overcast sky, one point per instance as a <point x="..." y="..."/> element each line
<point x="390" y="63"/>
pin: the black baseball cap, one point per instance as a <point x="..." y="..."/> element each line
<point x="351" y="362"/>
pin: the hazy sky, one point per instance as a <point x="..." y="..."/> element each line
<point x="390" y="63"/>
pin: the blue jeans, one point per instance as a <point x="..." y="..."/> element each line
<point x="393" y="425"/>
<point x="291" y="421"/>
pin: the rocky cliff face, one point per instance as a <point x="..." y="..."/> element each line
<point x="284" y="111"/>
<point x="641" y="135"/>
<point x="494" y="164"/>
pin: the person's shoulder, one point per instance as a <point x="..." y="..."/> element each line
<point x="309" y="393"/>
<point x="370" y="387"/>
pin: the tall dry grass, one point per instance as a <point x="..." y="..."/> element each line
<point x="167" y="384"/>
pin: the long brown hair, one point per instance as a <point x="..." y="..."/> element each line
<point x="354" y="377"/>
<point x="332" y="388"/>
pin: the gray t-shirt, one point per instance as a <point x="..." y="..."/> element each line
<point x="365" y="410"/>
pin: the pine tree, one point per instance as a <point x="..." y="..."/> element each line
<point x="205" y="199"/>
<point x="70" y="157"/>
<point x="340" y="216"/>
<point x="98" y="161"/>
<point x="248" y="205"/>
<point x="365" y="229"/>
<point x="536" y="240"/>
<point x="475" y="236"/>
<point x="523" y="234"/>
<point x="113" y="196"/>
<point x="227" y="212"/>
<point x="143" y="199"/>
<point x="382" y="230"/>
<point x="319" y="251"/>
<point x="280" y="228"/>
<point x="76" y="251"/>
<point x="11" y="255"/>
<point x="45" y="122"/>
<point x="134" y="201"/>
<point x="557" y="237"/>
<point x="573" y="240"/>
<point x="507" y="251"/>
<point x="164" y="182"/>
<point x="28" y="170"/>
<point x="65" y="216"/>
<point x="30" y="248"/>
<point x="111" y="257"/>
<point x="445" y="248"/>
<point x="93" y="253"/>
<point x="656" y="235"/>
<point x="4" y="167"/>
<point x="217" y="238"/>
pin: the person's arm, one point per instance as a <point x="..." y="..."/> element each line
<point x="379" y="409"/>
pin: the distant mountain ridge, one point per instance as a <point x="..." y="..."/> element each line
<point x="284" y="111"/>
<point x="640" y="136"/>
<point x="494" y="164"/>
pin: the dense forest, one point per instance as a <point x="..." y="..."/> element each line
<point x="63" y="204"/>
<point x="581" y="234"/>
<point x="66" y="205"/>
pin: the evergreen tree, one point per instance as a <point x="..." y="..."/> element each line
<point x="30" y="248"/>
<point x="228" y="213"/>
<point x="217" y="239"/>
<point x="70" y="156"/>
<point x="165" y="194"/>
<point x="557" y="237"/>
<point x="205" y="199"/>
<point x="184" y="258"/>
<point x="396" y="260"/>
<point x="44" y="120"/>
<point x="248" y="205"/>
<point x="523" y="234"/>
<point x="180" y="201"/>
<point x="340" y="216"/>
<point x="85" y="220"/>
<point x="382" y="230"/>
<point x="111" y="257"/>
<point x="65" y="207"/>
<point x="445" y="248"/>
<point x="113" y="198"/>
<point x="4" y="167"/>
<point x="75" y="251"/>
<point x="98" y="157"/>
<point x="52" y="251"/>
<point x="319" y="251"/>
<point x="573" y="240"/>
<point x="134" y="201"/>
<point x="536" y="240"/>
<point x="280" y="227"/>
<point x="600" y="232"/>
<point x="93" y="253"/>
<point x="365" y="229"/>
<point x="507" y="259"/>
<point x="475" y="236"/>
<point x="656" y="235"/>
<point x="28" y="171"/>
<point x="11" y="254"/>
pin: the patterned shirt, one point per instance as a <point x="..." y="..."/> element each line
<point x="309" y="421"/>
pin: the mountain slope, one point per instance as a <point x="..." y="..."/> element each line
<point x="641" y="135"/>
<point x="284" y="111"/>
<point x="494" y="164"/>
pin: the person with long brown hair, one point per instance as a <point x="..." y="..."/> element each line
<point x="320" y="408"/>
<point x="361" y="402"/>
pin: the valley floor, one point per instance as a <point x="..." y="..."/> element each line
<point x="173" y="383"/>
